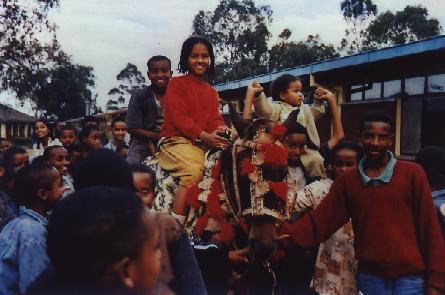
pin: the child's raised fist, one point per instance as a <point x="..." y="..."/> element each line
<point x="322" y="94"/>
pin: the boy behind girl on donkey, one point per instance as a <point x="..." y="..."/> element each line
<point x="397" y="241"/>
<point x="145" y="111"/>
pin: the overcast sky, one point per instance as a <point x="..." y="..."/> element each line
<point x="107" y="34"/>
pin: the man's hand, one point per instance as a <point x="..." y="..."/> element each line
<point x="238" y="255"/>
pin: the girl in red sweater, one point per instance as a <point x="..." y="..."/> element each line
<point x="191" y="113"/>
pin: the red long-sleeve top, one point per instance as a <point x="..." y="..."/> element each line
<point x="395" y="224"/>
<point x="190" y="107"/>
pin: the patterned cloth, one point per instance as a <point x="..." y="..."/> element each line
<point x="336" y="267"/>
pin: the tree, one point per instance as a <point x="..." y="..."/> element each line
<point x="410" y="24"/>
<point x="131" y="79"/>
<point x="238" y="30"/>
<point x="23" y="54"/>
<point x="357" y="14"/>
<point x="287" y="53"/>
<point x="64" y="88"/>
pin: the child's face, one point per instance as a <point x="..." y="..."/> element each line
<point x="159" y="74"/>
<point x="145" y="269"/>
<point x="93" y="139"/>
<point x="344" y="160"/>
<point x="67" y="137"/>
<point x="4" y="146"/>
<point x="295" y="144"/>
<point x="119" y="130"/>
<point x="41" y="130"/>
<point x="143" y="183"/>
<point x="20" y="160"/>
<point x="293" y="95"/>
<point x="60" y="160"/>
<point x="199" y="60"/>
<point x="376" y="139"/>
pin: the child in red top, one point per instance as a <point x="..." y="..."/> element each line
<point x="191" y="113"/>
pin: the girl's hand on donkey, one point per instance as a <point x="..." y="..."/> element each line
<point x="213" y="139"/>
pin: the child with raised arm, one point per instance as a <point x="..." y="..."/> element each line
<point x="287" y="96"/>
<point x="191" y="113"/>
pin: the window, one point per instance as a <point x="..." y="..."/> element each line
<point x="374" y="92"/>
<point x="436" y="83"/>
<point x="356" y="95"/>
<point x="390" y="88"/>
<point x="415" y="86"/>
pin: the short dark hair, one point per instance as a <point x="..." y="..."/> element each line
<point x="117" y="119"/>
<point x="8" y="174"/>
<point x="12" y="151"/>
<point x="141" y="168"/>
<point x="103" y="167"/>
<point x="107" y="227"/>
<point x="281" y="84"/>
<point x="76" y="147"/>
<point x="346" y="145"/>
<point x="187" y="48"/>
<point x="157" y="58"/>
<point x="376" y="116"/>
<point x="49" y="150"/>
<point x="86" y="130"/>
<point x="432" y="160"/>
<point x="30" y="179"/>
<point x="65" y="128"/>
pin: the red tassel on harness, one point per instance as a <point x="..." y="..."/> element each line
<point x="280" y="190"/>
<point x="247" y="167"/>
<point x="278" y="130"/>
<point x="201" y="224"/>
<point x="192" y="197"/>
<point x="273" y="154"/>
<point x="216" y="170"/>
<point x="216" y="187"/>
<point x="214" y="207"/>
<point x="227" y="234"/>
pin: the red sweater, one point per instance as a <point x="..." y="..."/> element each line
<point x="190" y="106"/>
<point x="395" y="224"/>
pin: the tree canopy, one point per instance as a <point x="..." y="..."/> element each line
<point x="239" y="32"/>
<point x="130" y="79"/>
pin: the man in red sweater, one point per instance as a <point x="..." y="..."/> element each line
<point x="397" y="238"/>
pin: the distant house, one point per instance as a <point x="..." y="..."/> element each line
<point x="15" y="124"/>
<point x="407" y="82"/>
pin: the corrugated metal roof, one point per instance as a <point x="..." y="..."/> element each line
<point x="422" y="46"/>
<point x="9" y="115"/>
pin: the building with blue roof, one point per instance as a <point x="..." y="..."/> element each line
<point x="405" y="81"/>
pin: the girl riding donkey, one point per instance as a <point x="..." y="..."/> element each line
<point x="191" y="113"/>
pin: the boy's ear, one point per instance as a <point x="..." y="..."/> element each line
<point x="123" y="270"/>
<point x="42" y="194"/>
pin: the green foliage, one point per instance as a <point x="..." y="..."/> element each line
<point x="63" y="89"/>
<point x="287" y="54"/>
<point x="404" y="26"/>
<point x="23" y="26"/>
<point x="131" y="79"/>
<point x="358" y="14"/>
<point x="238" y="30"/>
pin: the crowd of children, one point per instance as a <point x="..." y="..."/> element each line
<point x="76" y="217"/>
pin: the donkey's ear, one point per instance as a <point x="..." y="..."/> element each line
<point x="239" y="123"/>
<point x="292" y="118"/>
